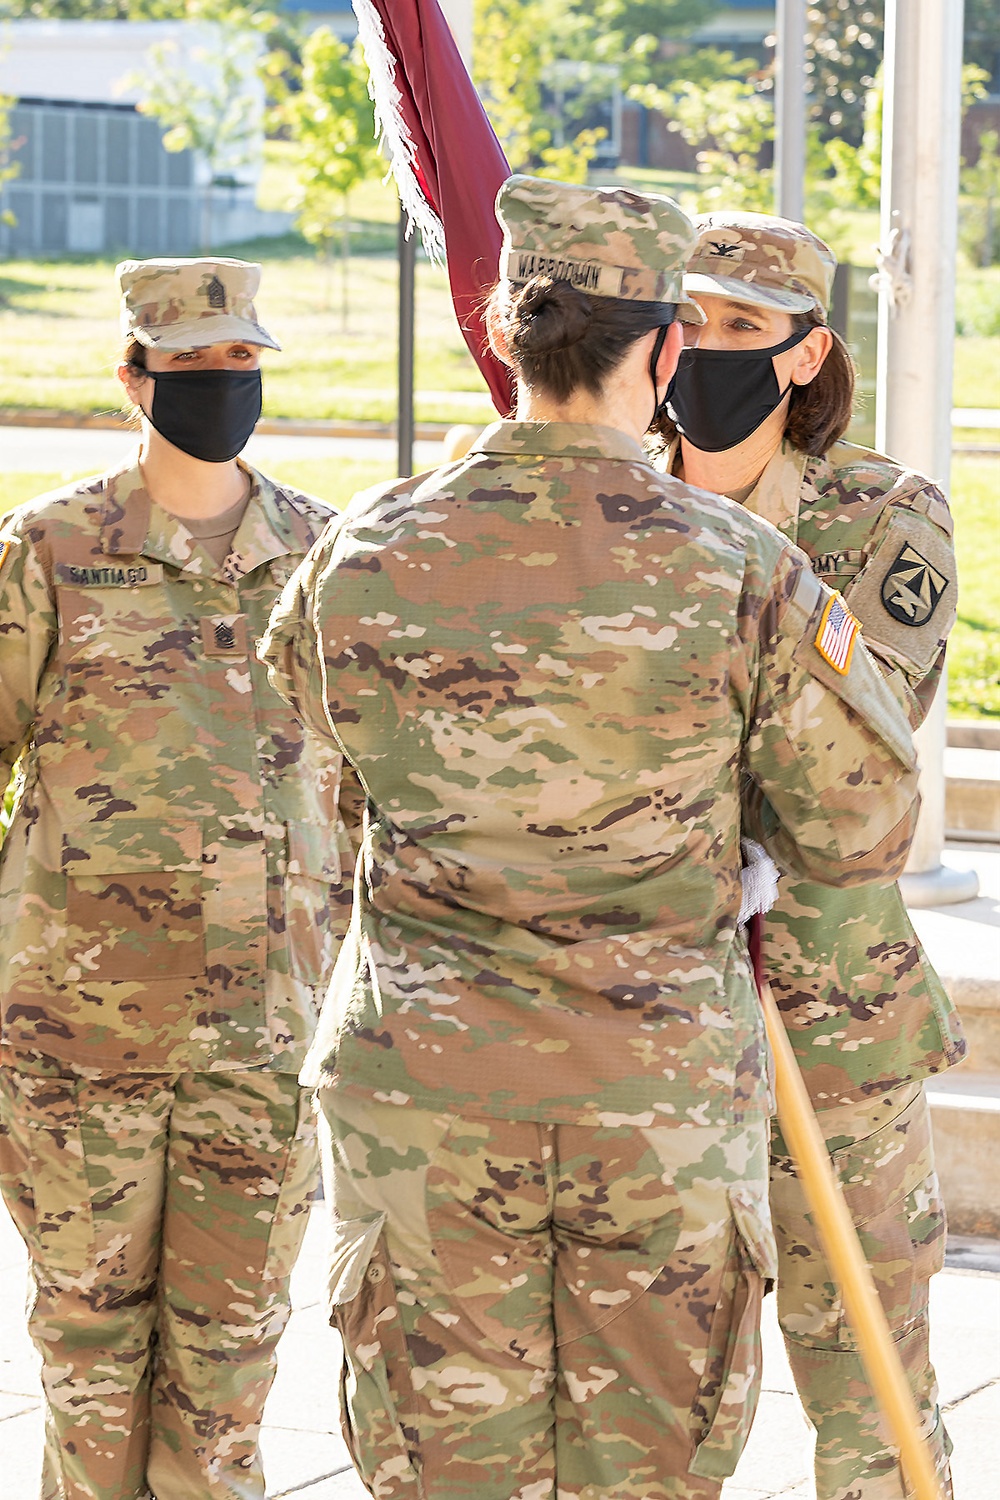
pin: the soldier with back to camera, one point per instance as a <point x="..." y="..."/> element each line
<point x="541" y="1061"/>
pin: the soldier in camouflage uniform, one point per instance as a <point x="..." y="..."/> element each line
<point x="762" y="403"/>
<point x="541" y="1060"/>
<point x="172" y="891"/>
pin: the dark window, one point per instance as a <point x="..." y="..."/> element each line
<point x="118" y="143"/>
<point x="54" y="145"/>
<point x="85" y="148"/>
<point x="53" y="221"/>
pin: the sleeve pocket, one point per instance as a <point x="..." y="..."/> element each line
<point x="861" y="687"/>
<point x="906" y="595"/>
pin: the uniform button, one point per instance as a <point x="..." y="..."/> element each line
<point x="375" y="1273"/>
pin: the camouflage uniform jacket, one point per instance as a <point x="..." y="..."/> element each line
<point x="864" y="1009"/>
<point x="171" y="886"/>
<point x="551" y="666"/>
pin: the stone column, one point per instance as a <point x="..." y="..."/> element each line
<point x="916" y="331"/>
<point x="790" y="109"/>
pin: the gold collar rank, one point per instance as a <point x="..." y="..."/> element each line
<point x="912" y="587"/>
<point x="838" y="630"/>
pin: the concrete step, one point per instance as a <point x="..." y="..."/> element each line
<point x="963" y="944"/>
<point x="974" y="734"/>
<point x="965" y="1109"/>
<point x="972" y="792"/>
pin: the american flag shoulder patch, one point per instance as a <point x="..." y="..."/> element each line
<point x="838" y="630"/>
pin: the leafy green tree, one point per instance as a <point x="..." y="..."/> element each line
<point x="330" y="119"/>
<point x="843" y="55"/>
<point x="979" y="217"/>
<point x="844" y="47"/>
<point x="517" y="45"/>
<point x="214" y="114"/>
<point x="9" y="166"/>
<point x="726" y="116"/>
<point x="542" y="68"/>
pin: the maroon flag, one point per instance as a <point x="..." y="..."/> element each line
<point x="446" y="160"/>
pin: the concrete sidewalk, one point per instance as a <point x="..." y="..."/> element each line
<point x="305" y="1457"/>
<point x="70" y="450"/>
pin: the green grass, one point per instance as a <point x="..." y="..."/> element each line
<point x="977" y="303"/>
<point x="334" y="480"/>
<point x="58" y="331"/>
<point x="977" y="373"/>
<point x="974" y="647"/>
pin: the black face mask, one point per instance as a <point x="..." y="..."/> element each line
<point x="718" y="397"/>
<point x="209" y="414"/>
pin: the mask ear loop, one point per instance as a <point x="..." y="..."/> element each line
<point x="661" y="338"/>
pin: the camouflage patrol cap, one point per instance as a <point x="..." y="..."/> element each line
<point x="186" y="304"/>
<point x="761" y="260"/>
<point x="607" y="241"/>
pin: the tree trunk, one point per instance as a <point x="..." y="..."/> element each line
<point x="345" y="256"/>
<point x="206" y="217"/>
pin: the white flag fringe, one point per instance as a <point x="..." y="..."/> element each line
<point x="391" y="129"/>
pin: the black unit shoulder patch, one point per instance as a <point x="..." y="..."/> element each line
<point x="912" y="588"/>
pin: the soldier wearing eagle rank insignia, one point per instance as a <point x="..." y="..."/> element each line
<point x="760" y="402"/>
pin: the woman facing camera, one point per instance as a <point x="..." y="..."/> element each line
<point x="173" y="887"/>
<point x="761" y="400"/>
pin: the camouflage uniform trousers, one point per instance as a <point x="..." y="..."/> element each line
<point x="883" y="1156"/>
<point x="537" y="1311"/>
<point x="162" y="1216"/>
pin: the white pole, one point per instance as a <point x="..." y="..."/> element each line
<point x="790" y="110"/>
<point x="916" y="329"/>
<point x="458" y="14"/>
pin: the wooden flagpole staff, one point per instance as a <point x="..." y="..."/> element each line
<point x="840" y="1240"/>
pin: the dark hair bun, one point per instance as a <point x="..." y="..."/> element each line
<point x="546" y="316"/>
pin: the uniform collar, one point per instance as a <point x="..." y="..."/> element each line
<point x="776" y="495"/>
<point x="133" y="525"/>
<point x="560" y="440"/>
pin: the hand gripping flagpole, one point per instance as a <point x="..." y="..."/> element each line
<point x="826" y="1202"/>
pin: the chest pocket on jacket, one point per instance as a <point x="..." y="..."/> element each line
<point x="133" y="901"/>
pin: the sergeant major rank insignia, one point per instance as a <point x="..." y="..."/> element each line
<point x="912" y="587"/>
<point x="216" y="294"/>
